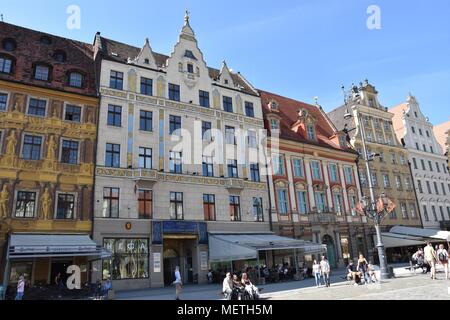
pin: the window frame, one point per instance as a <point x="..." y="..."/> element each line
<point x="209" y="207"/>
<point x="34" y="201"/>
<point x="74" y="210"/>
<point x="146" y="202"/>
<point x="235" y="207"/>
<point x="114" y="153"/>
<point x="109" y="199"/>
<point x="143" y="157"/>
<point x="116" y="80"/>
<point x="145" y="84"/>
<point x="174" y="92"/>
<point x="147" y="121"/>
<point x="227" y="103"/>
<point x="114" y="115"/>
<point x="175" y="202"/>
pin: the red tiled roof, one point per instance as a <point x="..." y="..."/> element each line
<point x="30" y="49"/>
<point x="397" y="121"/>
<point x="288" y="113"/>
<point x="441" y="132"/>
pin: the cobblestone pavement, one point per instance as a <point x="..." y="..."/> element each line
<point x="405" y="286"/>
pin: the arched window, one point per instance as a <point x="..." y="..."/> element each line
<point x="9" y="45"/>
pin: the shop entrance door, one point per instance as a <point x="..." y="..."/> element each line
<point x="171" y="260"/>
<point x="59" y="267"/>
<point x="328" y="240"/>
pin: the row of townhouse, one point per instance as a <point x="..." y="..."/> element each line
<point x="127" y="163"/>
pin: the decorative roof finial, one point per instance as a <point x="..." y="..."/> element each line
<point x="186" y="16"/>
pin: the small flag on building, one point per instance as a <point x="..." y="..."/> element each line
<point x="359" y="208"/>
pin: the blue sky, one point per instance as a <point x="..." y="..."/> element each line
<point x="300" y="49"/>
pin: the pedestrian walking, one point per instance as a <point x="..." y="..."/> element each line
<point x="430" y="258"/>
<point x="442" y="255"/>
<point x="178" y="283"/>
<point x="362" y="268"/>
<point x="20" y="288"/>
<point x="316" y="272"/>
<point x="325" y="270"/>
<point x="227" y="288"/>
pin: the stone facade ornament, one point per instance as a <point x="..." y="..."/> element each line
<point x="11" y="142"/>
<point x="46" y="201"/>
<point x="51" y="148"/>
<point x="4" y="199"/>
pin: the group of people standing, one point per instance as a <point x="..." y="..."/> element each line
<point x="429" y="257"/>
<point x="322" y="270"/>
<point x="362" y="270"/>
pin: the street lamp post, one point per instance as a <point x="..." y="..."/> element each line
<point x="370" y="207"/>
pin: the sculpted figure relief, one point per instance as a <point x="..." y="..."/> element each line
<point x="4" y="198"/>
<point x="11" y="142"/>
<point x="46" y="200"/>
<point x="51" y="148"/>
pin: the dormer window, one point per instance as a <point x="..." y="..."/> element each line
<point x="274" y="124"/>
<point x="225" y="81"/>
<point x="371" y="103"/>
<point x="59" y="56"/>
<point x="46" y="40"/>
<point x="75" y="79"/>
<point x="310" y="132"/>
<point x="41" y="72"/>
<point x="9" y="45"/>
<point x="190" y="68"/>
<point x="147" y="61"/>
<point x="273" y="105"/>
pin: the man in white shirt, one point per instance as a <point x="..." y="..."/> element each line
<point x="178" y="284"/>
<point x="227" y="287"/>
<point x="325" y="269"/>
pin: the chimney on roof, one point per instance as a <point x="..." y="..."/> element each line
<point x="97" y="44"/>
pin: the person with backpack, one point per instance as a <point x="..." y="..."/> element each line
<point x="442" y="255"/>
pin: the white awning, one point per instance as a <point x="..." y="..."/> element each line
<point x="238" y="246"/>
<point x="423" y="233"/>
<point x="53" y="245"/>
<point x="393" y="240"/>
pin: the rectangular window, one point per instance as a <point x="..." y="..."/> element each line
<point x="301" y="202"/>
<point x="66" y="206"/>
<point x="424" y="148"/>
<point x="334" y="175"/>
<point x="316" y="171"/>
<point x="404" y="210"/>
<point x="423" y="164"/>
<point x="114" y="115"/>
<point x="145" y="158"/>
<point x="37" y="107"/>
<point x="282" y="201"/>
<point x="206" y="131"/>
<point x="415" y="163"/>
<point x="441" y="210"/>
<point x="419" y="186"/>
<point x="116" y="80"/>
<point x="249" y="110"/>
<point x="146" y="121"/>
<point x="110" y="202"/>
<point x="363" y="178"/>
<point x="430" y="166"/>
<point x="209" y="207"/>
<point x="433" y="209"/>
<point x="425" y="213"/>
<point x="408" y="183"/>
<point x="438" y="168"/>
<point x="5" y="65"/>
<point x="412" y="210"/>
<point x="174" y="92"/>
<point x="69" y="152"/>
<point x="258" y="214"/>
<point x="41" y="72"/>
<point x="235" y="208"/>
<point x="232" y="169"/>
<point x="190" y="68"/>
<point x="175" y="162"/>
<point x="348" y="171"/>
<point x="338" y="203"/>
<point x="386" y="182"/>
<point x="298" y="168"/>
<point x="443" y="189"/>
<point x="321" y="201"/>
<point x="146" y="86"/>
<point x="32" y="147"/>
<point x="130" y="259"/>
<point x="352" y="199"/>
<point x="112" y="156"/>
<point x="175" y="125"/>
<point x="311" y="132"/>
<point x="230" y="136"/>
<point x="402" y="160"/>
<point x="413" y="130"/>
<point x="398" y="182"/>
<point x="417" y="146"/>
<point x="374" y="179"/>
<point x="436" y="189"/>
<point x="176" y="206"/>
<point x="25" y="204"/>
<point x="227" y="104"/>
<point x="393" y="158"/>
<point x="3" y="100"/>
<point x="204" y="98"/>
<point x="278" y="165"/>
<point x="145" y="202"/>
<point x="420" y="132"/>
<point x="75" y="79"/>
<point x="431" y="149"/>
<point x="207" y="166"/>
<point x="254" y="172"/>
<point x="252" y="140"/>
<point x="429" y="187"/>
<point x="73" y="113"/>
